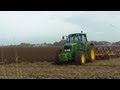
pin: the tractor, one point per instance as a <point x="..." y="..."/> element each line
<point x="77" y="49"/>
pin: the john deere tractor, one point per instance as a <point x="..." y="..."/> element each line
<point x="76" y="49"/>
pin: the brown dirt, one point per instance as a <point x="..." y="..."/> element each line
<point x="29" y="54"/>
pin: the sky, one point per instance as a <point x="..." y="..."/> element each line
<point x="49" y="26"/>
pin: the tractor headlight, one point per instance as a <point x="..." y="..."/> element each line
<point x="67" y="50"/>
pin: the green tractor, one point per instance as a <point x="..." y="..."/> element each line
<point x="76" y="49"/>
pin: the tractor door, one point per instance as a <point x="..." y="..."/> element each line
<point x="83" y="41"/>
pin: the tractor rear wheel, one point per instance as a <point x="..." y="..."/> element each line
<point x="91" y="53"/>
<point x="80" y="58"/>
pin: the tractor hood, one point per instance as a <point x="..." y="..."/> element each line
<point x="66" y="54"/>
<point x="70" y="44"/>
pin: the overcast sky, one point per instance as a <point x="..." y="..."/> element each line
<point x="50" y="26"/>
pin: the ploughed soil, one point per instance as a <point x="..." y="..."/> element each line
<point x="37" y="63"/>
<point x="23" y="54"/>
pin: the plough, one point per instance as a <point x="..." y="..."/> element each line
<point x="107" y="52"/>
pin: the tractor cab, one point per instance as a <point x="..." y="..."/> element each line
<point x="79" y="38"/>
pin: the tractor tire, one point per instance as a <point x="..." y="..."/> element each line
<point x="56" y="59"/>
<point x="80" y="58"/>
<point x="91" y="53"/>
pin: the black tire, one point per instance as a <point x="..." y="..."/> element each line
<point x="92" y="54"/>
<point x="80" y="58"/>
<point x="56" y="58"/>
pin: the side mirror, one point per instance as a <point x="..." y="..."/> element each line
<point x="63" y="37"/>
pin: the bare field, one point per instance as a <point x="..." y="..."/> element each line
<point x="37" y="63"/>
<point x="24" y="54"/>
<point x="101" y="69"/>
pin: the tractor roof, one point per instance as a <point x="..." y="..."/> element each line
<point x="77" y="34"/>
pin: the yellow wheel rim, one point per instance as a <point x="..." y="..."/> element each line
<point x="92" y="54"/>
<point x="83" y="58"/>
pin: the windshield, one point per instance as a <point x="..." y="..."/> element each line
<point x="74" y="38"/>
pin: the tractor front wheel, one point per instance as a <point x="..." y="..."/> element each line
<point x="80" y="58"/>
<point x="56" y="58"/>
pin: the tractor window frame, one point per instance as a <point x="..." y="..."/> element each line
<point x="84" y="38"/>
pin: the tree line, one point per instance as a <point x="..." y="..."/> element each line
<point x="61" y="43"/>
